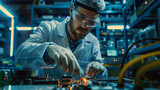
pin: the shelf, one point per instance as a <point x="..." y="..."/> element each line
<point x="52" y="6"/>
<point x="145" y="20"/>
<point x="111" y="19"/>
<point x="111" y="12"/>
<point x="114" y="6"/>
<point x="129" y="3"/>
<point x="102" y="28"/>
<point x="11" y="67"/>
<point x="144" y="23"/>
<point x="114" y="34"/>
<point x="39" y="19"/>
<point x="58" y="9"/>
<point x="112" y="66"/>
<point x="61" y="19"/>
<point x="146" y="49"/>
<point x="3" y="40"/>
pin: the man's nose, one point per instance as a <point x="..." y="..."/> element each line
<point x="84" y="23"/>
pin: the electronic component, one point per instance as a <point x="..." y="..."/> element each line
<point x="111" y="44"/>
<point x="145" y="4"/>
<point x="112" y="52"/>
<point x="66" y="81"/>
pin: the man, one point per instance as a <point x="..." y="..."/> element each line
<point x="67" y="45"/>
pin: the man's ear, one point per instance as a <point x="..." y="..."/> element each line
<point x="70" y="10"/>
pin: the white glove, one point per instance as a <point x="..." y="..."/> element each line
<point x="94" y="68"/>
<point x="64" y="58"/>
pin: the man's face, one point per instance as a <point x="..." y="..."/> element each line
<point x="80" y="30"/>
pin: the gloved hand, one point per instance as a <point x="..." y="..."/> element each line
<point x="64" y="58"/>
<point x="94" y="68"/>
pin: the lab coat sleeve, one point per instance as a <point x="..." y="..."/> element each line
<point x="97" y="57"/>
<point x="96" y="53"/>
<point x="30" y="53"/>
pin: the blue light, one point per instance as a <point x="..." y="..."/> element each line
<point x="112" y="52"/>
<point x="5" y="11"/>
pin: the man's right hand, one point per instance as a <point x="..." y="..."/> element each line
<point x="64" y="59"/>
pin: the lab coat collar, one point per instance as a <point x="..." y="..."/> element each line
<point x="87" y="38"/>
<point x="62" y="34"/>
<point x="85" y="42"/>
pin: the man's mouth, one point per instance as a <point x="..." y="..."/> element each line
<point x="83" y="31"/>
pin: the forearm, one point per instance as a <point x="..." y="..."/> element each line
<point x="47" y="59"/>
<point x="30" y="54"/>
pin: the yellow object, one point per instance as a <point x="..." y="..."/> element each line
<point x="34" y="2"/>
<point x="146" y="2"/>
<point x="133" y="61"/>
<point x="7" y="62"/>
<point x="123" y="50"/>
<point x="70" y="88"/>
<point x="104" y="33"/>
<point x="112" y="64"/>
<point x="144" y="69"/>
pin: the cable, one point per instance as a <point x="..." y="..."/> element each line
<point x="34" y="2"/>
<point x="140" y="73"/>
<point x="132" y="62"/>
<point x="123" y="60"/>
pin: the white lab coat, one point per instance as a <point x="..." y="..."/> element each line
<point x="30" y="53"/>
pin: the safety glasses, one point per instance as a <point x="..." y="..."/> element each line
<point x="83" y="20"/>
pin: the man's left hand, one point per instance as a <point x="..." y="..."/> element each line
<point x="94" y="68"/>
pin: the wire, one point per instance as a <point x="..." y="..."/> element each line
<point x="123" y="60"/>
<point x="132" y="62"/>
<point x="34" y="2"/>
<point x="143" y="70"/>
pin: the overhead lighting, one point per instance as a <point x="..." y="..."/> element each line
<point x="12" y="37"/>
<point x="124" y="1"/>
<point x="6" y="12"/>
<point x="25" y="28"/>
<point x="117" y="27"/>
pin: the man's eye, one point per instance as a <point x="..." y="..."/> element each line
<point x="82" y="17"/>
<point x="92" y="22"/>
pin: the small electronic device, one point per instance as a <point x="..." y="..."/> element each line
<point x="112" y="52"/>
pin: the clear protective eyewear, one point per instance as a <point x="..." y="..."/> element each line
<point x="82" y="19"/>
